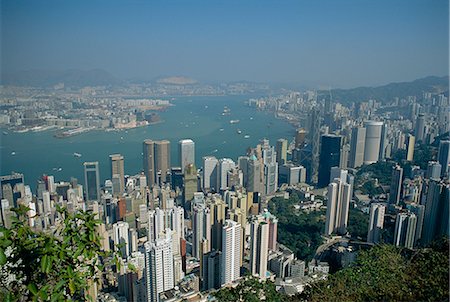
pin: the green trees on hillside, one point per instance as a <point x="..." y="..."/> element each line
<point x="387" y="273"/>
<point x="299" y="231"/>
<point x="250" y="290"/>
<point x="57" y="266"/>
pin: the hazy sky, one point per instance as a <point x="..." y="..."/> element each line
<point x="337" y="43"/>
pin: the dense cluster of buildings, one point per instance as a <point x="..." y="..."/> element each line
<point x="186" y="231"/>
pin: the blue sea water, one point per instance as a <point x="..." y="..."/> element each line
<point x="198" y="118"/>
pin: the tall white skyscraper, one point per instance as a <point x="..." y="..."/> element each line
<point x="270" y="168"/>
<point x="339" y="195"/>
<point x="357" y="147"/>
<point x="223" y="166"/>
<point x="201" y="229"/>
<point x="121" y="236"/>
<point x="209" y="173"/>
<point x="159" y="267"/>
<point x="259" y="247"/>
<point x="376" y="221"/>
<point x="231" y="252"/>
<point x="373" y="140"/>
<point x="186" y="151"/>
<point x="405" y="229"/>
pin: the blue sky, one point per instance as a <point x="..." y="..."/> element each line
<point x="331" y="43"/>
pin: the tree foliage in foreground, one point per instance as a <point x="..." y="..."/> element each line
<point x="387" y="273"/>
<point x="250" y="290"/>
<point x="57" y="266"/>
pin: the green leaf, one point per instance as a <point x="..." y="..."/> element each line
<point x="32" y="288"/>
<point x="2" y="257"/>
<point x="44" y="263"/>
<point x="71" y="286"/>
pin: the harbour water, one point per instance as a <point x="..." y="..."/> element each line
<point x="198" y="118"/>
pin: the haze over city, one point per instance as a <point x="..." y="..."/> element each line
<point x="313" y="43"/>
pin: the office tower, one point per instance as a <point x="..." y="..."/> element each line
<point x="243" y="166"/>
<point x="190" y="182"/>
<point x="223" y="166"/>
<point x="444" y="157"/>
<point x="436" y="221"/>
<point x="231" y="252"/>
<point x="211" y="270"/>
<point x="339" y="195"/>
<point x="186" y="151"/>
<point x="255" y="181"/>
<point x="11" y="188"/>
<point x="121" y="238"/>
<point x="419" y="211"/>
<point x="419" y="132"/>
<point x="159" y="267"/>
<point x="434" y="170"/>
<point x="300" y="136"/>
<point x="345" y="153"/>
<point x="329" y="157"/>
<point x="410" y="141"/>
<point x="281" y="149"/>
<point x="396" y="185"/>
<point x="269" y="158"/>
<point x="218" y="211"/>
<point x="92" y="181"/>
<point x="210" y="173"/>
<point x="291" y="174"/>
<point x="383" y="142"/>
<point x="162" y="160"/>
<point x="117" y="170"/>
<point x="405" y="229"/>
<point x="372" y="142"/>
<point x="376" y="221"/>
<point x="201" y="229"/>
<point x="314" y="138"/>
<point x="149" y="162"/>
<point x="259" y="247"/>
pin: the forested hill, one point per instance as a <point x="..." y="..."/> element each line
<point x="388" y="92"/>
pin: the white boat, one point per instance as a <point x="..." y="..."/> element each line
<point x="221" y="129"/>
<point x="246" y="136"/>
<point x="13" y="153"/>
<point x="234" y="121"/>
<point x="76" y="154"/>
<point x="239" y="131"/>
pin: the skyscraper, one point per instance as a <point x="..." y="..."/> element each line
<point x="405" y="229"/>
<point x="190" y="182"/>
<point x="410" y="141"/>
<point x="436" y="221"/>
<point x="223" y="166"/>
<point x="339" y="195"/>
<point x="315" y="121"/>
<point x="281" y="150"/>
<point x="92" y="181"/>
<point x="376" y="221"/>
<point x="329" y="157"/>
<point x="162" y="160"/>
<point x="434" y="170"/>
<point x="444" y="157"/>
<point x="270" y="168"/>
<point x="186" y="151"/>
<point x="118" y="171"/>
<point x="396" y="185"/>
<point x="121" y="238"/>
<point x="210" y="173"/>
<point x="149" y="161"/>
<point x="259" y="247"/>
<point x="420" y="128"/>
<point x="300" y="136"/>
<point x="159" y="267"/>
<point x="255" y="182"/>
<point x="201" y="229"/>
<point x="373" y="140"/>
<point x="10" y="188"/>
<point x="231" y="252"/>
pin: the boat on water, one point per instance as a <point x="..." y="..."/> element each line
<point x="246" y="136"/>
<point x="5" y="133"/>
<point x="234" y="121"/>
<point x="13" y="153"/>
<point x="238" y="131"/>
<point x="221" y="129"/>
<point x="76" y="154"/>
<point x="214" y="151"/>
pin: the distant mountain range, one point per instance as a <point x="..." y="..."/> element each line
<point x="70" y="78"/>
<point x="387" y="92"/>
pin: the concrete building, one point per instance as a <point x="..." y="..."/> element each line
<point x="92" y="181"/>
<point x="159" y="267"/>
<point x="372" y="142"/>
<point x="339" y="195"/>
<point x="376" y="221"/>
<point x="231" y="252"/>
<point x="121" y="236"/>
<point x="259" y="247"/>
<point x="410" y="141"/>
<point x="405" y="229"/>
<point x="118" y="171"/>
<point x="186" y="151"/>
<point x="444" y="157"/>
<point x="281" y="150"/>
<point x="210" y="173"/>
<point x="434" y="170"/>
<point x="396" y="185"/>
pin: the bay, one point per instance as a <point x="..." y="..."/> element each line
<point x="198" y="118"/>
